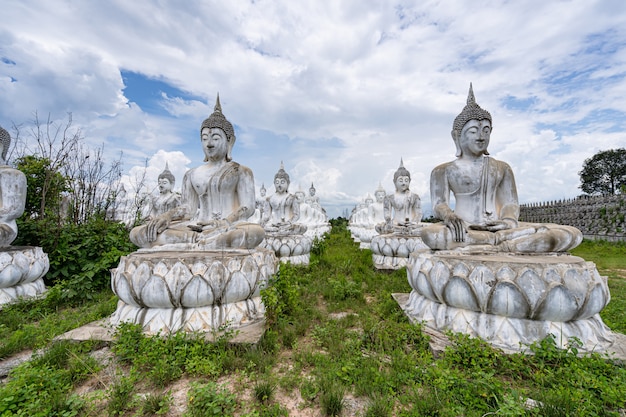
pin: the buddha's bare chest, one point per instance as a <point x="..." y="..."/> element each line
<point x="466" y="178"/>
<point x="208" y="181"/>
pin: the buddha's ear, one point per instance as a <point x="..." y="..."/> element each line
<point x="229" y="148"/>
<point x="455" y="137"/>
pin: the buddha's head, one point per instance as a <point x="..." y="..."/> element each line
<point x="368" y="200"/>
<point x="263" y="191"/>
<point x="402" y="178"/>
<point x="312" y="190"/>
<point x="210" y="126"/>
<point x="166" y="180"/>
<point x="299" y="196"/>
<point x="281" y="180"/>
<point x="472" y="127"/>
<point x="5" y="142"/>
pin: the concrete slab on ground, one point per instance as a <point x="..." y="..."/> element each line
<point x="102" y="330"/>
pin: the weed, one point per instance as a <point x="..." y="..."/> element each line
<point x="263" y="391"/>
<point x="379" y="407"/>
<point x="156" y="404"/>
<point x="332" y="400"/>
<point x="274" y="410"/>
<point x="309" y="390"/>
<point x="281" y="295"/>
<point x="209" y="400"/>
<point x="120" y="394"/>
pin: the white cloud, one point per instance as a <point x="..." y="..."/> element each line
<point x="339" y="91"/>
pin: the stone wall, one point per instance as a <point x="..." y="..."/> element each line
<point x="598" y="217"/>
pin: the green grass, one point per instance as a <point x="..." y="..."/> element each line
<point x="371" y="353"/>
<point x="610" y="259"/>
<point x="31" y="324"/>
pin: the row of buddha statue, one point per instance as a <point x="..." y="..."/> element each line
<point x="297" y="219"/>
<point x="205" y="255"/>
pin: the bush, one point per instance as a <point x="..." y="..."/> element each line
<point x="81" y="255"/>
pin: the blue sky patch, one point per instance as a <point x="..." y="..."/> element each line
<point x="7" y="61"/>
<point x="148" y="92"/>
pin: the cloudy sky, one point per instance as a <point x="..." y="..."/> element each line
<point x="338" y="90"/>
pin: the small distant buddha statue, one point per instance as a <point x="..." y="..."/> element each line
<point x="306" y="211"/>
<point x="260" y="202"/>
<point x="217" y="199"/>
<point x="283" y="211"/>
<point x="487" y="208"/>
<point x="376" y="211"/>
<point x="166" y="200"/>
<point x="312" y="199"/>
<point x="12" y="193"/>
<point x="402" y="210"/>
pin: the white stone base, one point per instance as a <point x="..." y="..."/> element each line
<point x="388" y="262"/>
<point x="508" y="333"/>
<point x="198" y="319"/>
<point x="289" y="248"/>
<point x="510" y="299"/>
<point x="296" y="260"/>
<point x="192" y="291"/>
<point x="21" y="272"/>
<point x="14" y="293"/>
<point x="392" y="251"/>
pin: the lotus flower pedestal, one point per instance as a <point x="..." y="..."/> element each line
<point x="289" y="247"/>
<point x="391" y="251"/>
<point x="191" y="291"/>
<point x="21" y="272"/>
<point x="510" y="300"/>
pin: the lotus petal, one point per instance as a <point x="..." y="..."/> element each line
<point x="559" y="305"/>
<point x="197" y="293"/>
<point x="458" y="293"/>
<point x="507" y="300"/>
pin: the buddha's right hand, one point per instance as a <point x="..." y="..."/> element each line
<point x="156" y="226"/>
<point x="456" y="226"/>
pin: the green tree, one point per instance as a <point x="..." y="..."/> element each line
<point x="604" y="173"/>
<point x="45" y="185"/>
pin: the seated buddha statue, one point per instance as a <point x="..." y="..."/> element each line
<point x="487" y="209"/>
<point x="216" y="201"/>
<point x="283" y="209"/>
<point x="376" y="211"/>
<point x="12" y="193"/>
<point x="402" y="209"/>
<point x="166" y="200"/>
<point x="312" y="199"/>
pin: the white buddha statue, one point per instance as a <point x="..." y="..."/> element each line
<point x="402" y="210"/>
<point x="12" y="193"/>
<point x="283" y="210"/>
<point x="167" y="199"/>
<point x="487" y="209"/>
<point x="217" y="199"/>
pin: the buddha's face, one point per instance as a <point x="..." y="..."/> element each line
<point x="214" y="143"/>
<point x="312" y="191"/>
<point x="300" y="196"/>
<point x="380" y="196"/>
<point x="263" y="192"/>
<point x="402" y="183"/>
<point x="368" y="201"/>
<point x="475" y="136"/>
<point x="165" y="186"/>
<point x="281" y="185"/>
